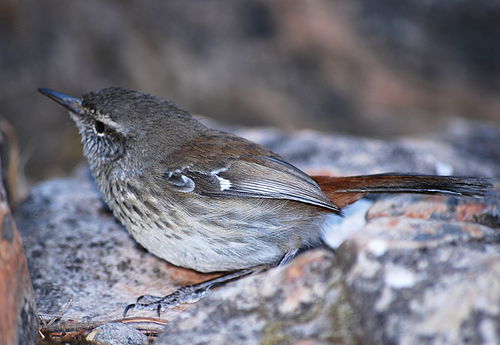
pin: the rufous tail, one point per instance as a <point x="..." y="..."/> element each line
<point x="344" y="191"/>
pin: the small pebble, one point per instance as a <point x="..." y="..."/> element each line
<point x="117" y="334"/>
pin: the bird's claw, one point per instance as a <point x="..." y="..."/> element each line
<point x="187" y="294"/>
<point x="183" y="295"/>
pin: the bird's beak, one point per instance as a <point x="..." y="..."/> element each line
<point x="71" y="103"/>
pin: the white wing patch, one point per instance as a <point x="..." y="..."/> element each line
<point x="223" y="183"/>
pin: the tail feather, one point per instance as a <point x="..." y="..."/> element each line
<point x="346" y="190"/>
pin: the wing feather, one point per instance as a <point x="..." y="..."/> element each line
<point x="229" y="166"/>
<point x="257" y="178"/>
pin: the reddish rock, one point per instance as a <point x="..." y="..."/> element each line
<point x="18" y="319"/>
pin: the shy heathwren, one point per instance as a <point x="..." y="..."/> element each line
<point x="209" y="200"/>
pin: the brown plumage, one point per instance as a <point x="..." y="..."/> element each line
<point x="344" y="191"/>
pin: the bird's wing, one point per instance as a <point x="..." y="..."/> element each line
<point x="240" y="169"/>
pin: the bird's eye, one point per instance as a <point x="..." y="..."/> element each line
<point x="99" y="127"/>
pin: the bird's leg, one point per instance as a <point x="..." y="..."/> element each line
<point x="193" y="293"/>
<point x="189" y="293"/>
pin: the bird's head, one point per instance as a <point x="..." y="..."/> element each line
<point x="119" y="124"/>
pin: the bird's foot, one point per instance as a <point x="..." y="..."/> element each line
<point x="186" y="294"/>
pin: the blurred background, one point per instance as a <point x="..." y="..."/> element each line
<point x="374" y="68"/>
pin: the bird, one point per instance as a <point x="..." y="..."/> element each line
<point x="212" y="201"/>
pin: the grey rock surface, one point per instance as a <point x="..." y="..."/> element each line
<point x="423" y="270"/>
<point x="286" y="305"/>
<point x="117" y="334"/>
<point x="413" y="280"/>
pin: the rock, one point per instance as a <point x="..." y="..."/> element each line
<point x="420" y="279"/>
<point x="287" y="305"/>
<point x="116" y="334"/>
<point x="18" y="314"/>
<point x="423" y="269"/>
<point x="18" y="319"/>
<point x="415" y="300"/>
